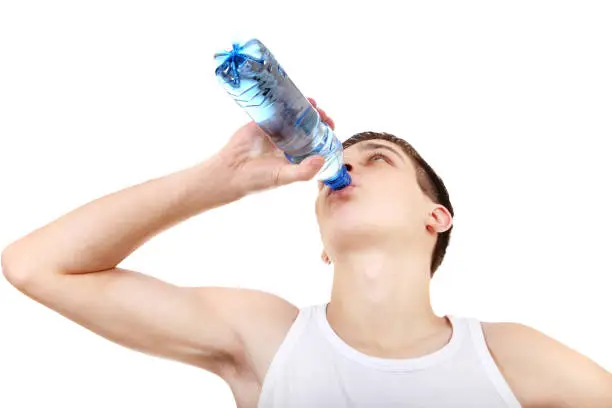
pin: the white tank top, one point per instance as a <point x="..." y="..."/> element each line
<point x="314" y="367"/>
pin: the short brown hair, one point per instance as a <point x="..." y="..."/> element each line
<point x="431" y="184"/>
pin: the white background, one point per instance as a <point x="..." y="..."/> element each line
<point x="510" y="103"/>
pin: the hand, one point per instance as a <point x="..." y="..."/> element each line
<point x="258" y="165"/>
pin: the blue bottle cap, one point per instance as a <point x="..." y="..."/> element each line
<point x="340" y="180"/>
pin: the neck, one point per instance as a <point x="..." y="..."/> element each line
<point x="380" y="302"/>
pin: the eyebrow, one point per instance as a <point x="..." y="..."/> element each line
<point x="374" y="145"/>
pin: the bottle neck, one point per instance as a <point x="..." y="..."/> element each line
<point x="340" y="180"/>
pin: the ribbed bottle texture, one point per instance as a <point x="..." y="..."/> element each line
<point x="254" y="79"/>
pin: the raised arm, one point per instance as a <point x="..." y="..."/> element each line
<point x="70" y="265"/>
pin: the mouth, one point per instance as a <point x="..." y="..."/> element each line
<point x="346" y="190"/>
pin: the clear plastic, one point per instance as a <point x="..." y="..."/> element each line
<point x="254" y="79"/>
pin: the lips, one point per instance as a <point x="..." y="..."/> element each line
<point x="343" y="191"/>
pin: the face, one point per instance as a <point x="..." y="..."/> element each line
<point x="384" y="201"/>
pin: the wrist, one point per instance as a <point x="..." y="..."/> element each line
<point x="215" y="178"/>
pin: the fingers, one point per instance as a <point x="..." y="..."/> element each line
<point x="324" y="117"/>
<point x="330" y="122"/>
<point x="304" y="171"/>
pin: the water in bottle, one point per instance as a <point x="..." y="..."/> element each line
<point x="254" y="79"/>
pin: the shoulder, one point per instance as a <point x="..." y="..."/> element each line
<point x="544" y="372"/>
<point x="261" y="320"/>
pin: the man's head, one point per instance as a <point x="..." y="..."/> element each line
<point x="396" y="200"/>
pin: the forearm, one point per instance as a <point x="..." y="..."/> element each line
<point x="99" y="235"/>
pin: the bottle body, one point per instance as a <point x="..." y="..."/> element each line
<point x="253" y="78"/>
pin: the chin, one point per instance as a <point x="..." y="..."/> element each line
<point x="344" y="225"/>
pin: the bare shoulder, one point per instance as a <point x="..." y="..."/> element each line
<point x="543" y="372"/>
<point x="262" y="320"/>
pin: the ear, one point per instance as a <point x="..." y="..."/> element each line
<point x="439" y="219"/>
<point x="325" y="258"/>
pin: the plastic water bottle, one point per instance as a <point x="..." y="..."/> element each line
<point x="254" y="79"/>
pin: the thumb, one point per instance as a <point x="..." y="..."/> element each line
<point x="304" y="171"/>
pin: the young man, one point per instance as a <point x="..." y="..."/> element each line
<point x="376" y="344"/>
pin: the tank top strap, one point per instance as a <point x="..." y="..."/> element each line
<point x="296" y="330"/>
<point x="488" y="363"/>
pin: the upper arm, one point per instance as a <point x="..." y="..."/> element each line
<point x="205" y="327"/>
<point x="545" y="373"/>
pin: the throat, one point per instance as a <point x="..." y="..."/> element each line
<point x="380" y="303"/>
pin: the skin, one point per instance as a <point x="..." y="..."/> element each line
<point x="378" y="236"/>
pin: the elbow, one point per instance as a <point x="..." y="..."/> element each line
<point x="14" y="270"/>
